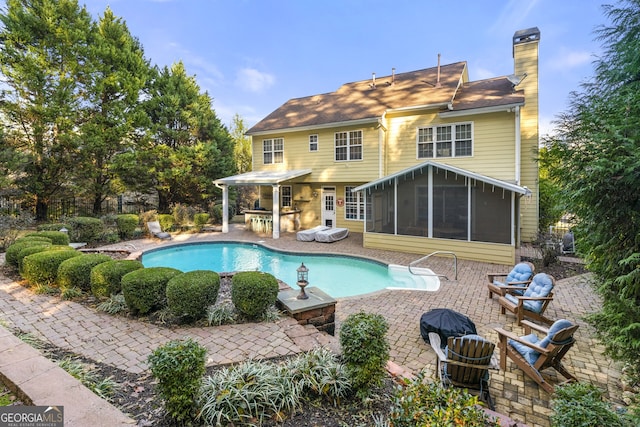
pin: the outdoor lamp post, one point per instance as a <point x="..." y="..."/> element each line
<point x="303" y="276"/>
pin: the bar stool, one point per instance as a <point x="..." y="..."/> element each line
<point x="268" y="224"/>
<point x="256" y="223"/>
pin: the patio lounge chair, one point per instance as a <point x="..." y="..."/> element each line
<point x="465" y="362"/>
<point x="533" y="302"/>
<point x="533" y="354"/>
<point x="156" y="231"/>
<point x="331" y="235"/>
<point x="520" y="276"/>
<point x="310" y="234"/>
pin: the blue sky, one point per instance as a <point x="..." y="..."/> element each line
<point x="254" y="55"/>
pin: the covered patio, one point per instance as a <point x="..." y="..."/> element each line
<point x="266" y="178"/>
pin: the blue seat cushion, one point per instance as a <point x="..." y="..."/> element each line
<point x="540" y="286"/>
<point x="557" y="326"/>
<point x="520" y="273"/>
<point x="530" y="355"/>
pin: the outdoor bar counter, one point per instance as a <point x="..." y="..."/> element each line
<point x="261" y="221"/>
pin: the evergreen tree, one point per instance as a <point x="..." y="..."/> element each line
<point x="598" y="144"/>
<point x="118" y="73"/>
<point x="41" y="42"/>
<point x="189" y="146"/>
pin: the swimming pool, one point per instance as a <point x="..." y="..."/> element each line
<point x="337" y="275"/>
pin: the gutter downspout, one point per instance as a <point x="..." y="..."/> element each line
<point x="381" y="139"/>
<point x="225" y="207"/>
<point x="518" y="145"/>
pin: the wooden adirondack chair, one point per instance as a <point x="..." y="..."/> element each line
<point x="533" y="302"/>
<point x="465" y="363"/>
<point x="517" y="280"/>
<point x="533" y="354"/>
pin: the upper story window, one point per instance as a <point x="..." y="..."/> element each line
<point x="348" y="145"/>
<point x="285" y="196"/>
<point x="454" y="140"/>
<point x="272" y="150"/>
<point x="353" y="204"/>
<point x="313" y="142"/>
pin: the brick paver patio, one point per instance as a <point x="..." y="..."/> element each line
<point x="126" y="344"/>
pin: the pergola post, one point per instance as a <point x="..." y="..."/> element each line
<point x="225" y="208"/>
<point x="276" y="211"/>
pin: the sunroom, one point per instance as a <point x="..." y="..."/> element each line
<point x="435" y="206"/>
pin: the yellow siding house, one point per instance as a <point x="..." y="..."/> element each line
<point x="417" y="161"/>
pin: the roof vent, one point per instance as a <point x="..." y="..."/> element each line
<point x="373" y="81"/>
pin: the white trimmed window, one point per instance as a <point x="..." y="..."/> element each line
<point x="348" y="145"/>
<point x="272" y="150"/>
<point x="455" y="140"/>
<point x="285" y="196"/>
<point x="353" y="204"/>
<point x="313" y="142"/>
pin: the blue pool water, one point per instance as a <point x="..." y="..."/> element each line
<point x="337" y="275"/>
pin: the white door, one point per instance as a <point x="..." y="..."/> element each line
<point x="329" y="207"/>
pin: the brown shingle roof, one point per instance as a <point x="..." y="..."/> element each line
<point x="360" y="101"/>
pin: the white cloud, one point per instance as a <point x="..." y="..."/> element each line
<point x="252" y="80"/>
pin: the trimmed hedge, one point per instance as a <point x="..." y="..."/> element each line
<point x="105" y="278"/>
<point x="57" y="237"/>
<point x="42" y="268"/>
<point x="55" y="226"/>
<point x="145" y="290"/>
<point x="191" y="293"/>
<point x="86" y="229"/>
<point x="11" y="255"/>
<point x="30" y="250"/>
<point x="77" y="271"/>
<point x="253" y="292"/>
<point x="127" y="224"/>
<point x="34" y="238"/>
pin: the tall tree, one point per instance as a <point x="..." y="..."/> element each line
<point x="598" y="144"/>
<point x="41" y="42"/>
<point x="118" y="73"/>
<point x="190" y="146"/>
<point x="242" y="145"/>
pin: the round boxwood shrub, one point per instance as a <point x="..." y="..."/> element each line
<point x="34" y="238"/>
<point x="11" y="255"/>
<point x="105" y="278"/>
<point x="77" y="271"/>
<point x="253" y="292"/>
<point x="191" y="293"/>
<point x="57" y="237"/>
<point x="42" y="268"/>
<point x="145" y="290"/>
<point x="127" y="224"/>
<point x="54" y="226"/>
<point x="365" y="350"/>
<point x="28" y="251"/>
<point x="86" y="229"/>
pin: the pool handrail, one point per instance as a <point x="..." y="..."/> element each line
<point x="455" y="264"/>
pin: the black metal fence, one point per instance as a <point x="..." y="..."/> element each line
<point x="70" y="207"/>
